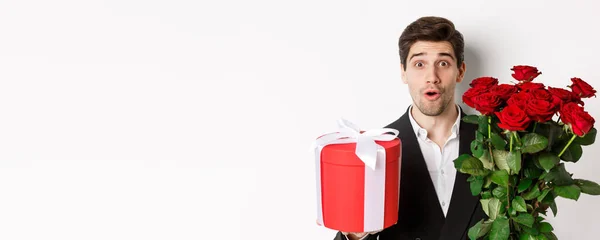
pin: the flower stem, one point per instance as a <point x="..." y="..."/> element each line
<point x="489" y="126"/>
<point x="569" y="143"/>
<point x="511" y="141"/>
<point x="516" y="138"/>
<point x="534" y="127"/>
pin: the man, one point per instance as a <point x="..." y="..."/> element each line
<point x="435" y="199"/>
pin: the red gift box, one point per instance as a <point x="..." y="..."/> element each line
<point x="358" y="179"/>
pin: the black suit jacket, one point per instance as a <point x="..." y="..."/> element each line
<point x="420" y="216"/>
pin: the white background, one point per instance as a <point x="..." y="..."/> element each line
<point x="192" y="119"/>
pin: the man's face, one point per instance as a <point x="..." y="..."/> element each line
<point x="431" y="74"/>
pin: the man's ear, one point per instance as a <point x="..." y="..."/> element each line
<point x="461" y="72"/>
<point x="403" y="73"/>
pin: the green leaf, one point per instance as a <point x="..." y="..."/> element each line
<point x="500" y="192"/>
<point x="588" y="187"/>
<point x="543" y="194"/>
<point x="530" y="230"/>
<point x="548" y="160"/>
<point x="485" y="205"/>
<point x="530" y="170"/>
<point x="546" y="227"/>
<point x="497" y="141"/>
<point x="473" y="119"/>
<point x="486" y="160"/>
<point x="500" y="229"/>
<point x="588" y="139"/>
<point x="514" y="161"/>
<point x="486" y="195"/>
<point x="559" y="176"/>
<point x="541" y="237"/>
<point x="459" y="161"/>
<point x="500" y="177"/>
<point x="554" y="208"/>
<point x="519" y="205"/>
<point x="477" y="149"/>
<point x="471" y="178"/>
<point x="479" y="230"/>
<point x="495" y="206"/>
<point x="488" y="182"/>
<point x="549" y="198"/>
<point x="526" y="236"/>
<point x="525" y="219"/>
<point x="533" y="143"/>
<point x="524" y="184"/>
<point x="572" y="154"/>
<point x="552" y="131"/>
<point x="479" y="137"/>
<point x="543" y="175"/>
<point x="551" y="236"/>
<point x="473" y="166"/>
<point x="570" y="191"/>
<point x="476" y="186"/>
<point x="501" y="159"/>
<point x="533" y="193"/>
<point x="512" y="212"/>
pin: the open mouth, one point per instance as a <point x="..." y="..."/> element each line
<point x="432" y="94"/>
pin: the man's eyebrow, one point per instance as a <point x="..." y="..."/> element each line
<point x="446" y="54"/>
<point x="416" y="55"/>
<point x="424" y="53"/>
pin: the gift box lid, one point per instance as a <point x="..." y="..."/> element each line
<point x="344" y="153"/>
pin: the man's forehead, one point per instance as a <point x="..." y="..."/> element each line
<point x="424" y="48"/>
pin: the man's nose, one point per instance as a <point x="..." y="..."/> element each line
<point x="432" y="76"/>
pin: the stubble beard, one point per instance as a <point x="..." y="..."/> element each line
<point x="436" y="108"/>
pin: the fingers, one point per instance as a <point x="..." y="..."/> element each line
<point x="358" y="235"/>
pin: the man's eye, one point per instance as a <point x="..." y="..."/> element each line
<point x="418" y="64"/>
<point x="444" y="64"/>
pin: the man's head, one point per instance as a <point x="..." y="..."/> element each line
<point x="432" y="62"/>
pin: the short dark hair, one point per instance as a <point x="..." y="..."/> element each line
<point x="435" y="29"/>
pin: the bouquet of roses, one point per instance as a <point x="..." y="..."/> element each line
<point x="526" y="133"/>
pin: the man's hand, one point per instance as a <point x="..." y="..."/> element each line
<point x="354" y="236"/>
<point x="357" y="236"/>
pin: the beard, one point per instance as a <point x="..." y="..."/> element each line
<point x="433" y="108"/>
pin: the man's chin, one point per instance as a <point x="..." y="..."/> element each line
<point x="431" y="111"/>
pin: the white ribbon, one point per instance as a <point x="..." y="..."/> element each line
<point x="367" y="150"/>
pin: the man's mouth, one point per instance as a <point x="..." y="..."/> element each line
<point x="432" y="94"/>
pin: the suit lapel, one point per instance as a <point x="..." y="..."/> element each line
<point x="463" y="203"/>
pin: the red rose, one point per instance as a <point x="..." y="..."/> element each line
<point x="471" y="93"/>
<point x="566" y="111"/>
<point x="582" y="88"/>
<point x="520" y="99"/>
<point x="487" y="103"/>
<point x="527" y="86"/>
<point x="579" y="120"/>
<point x="525" y="73"/>
<point x="541" y="94"/>
<point x="513" y="118"/>
<point x="504" y="91"/>
<point x="540" y="110"/>
<point x="484" y="82"/>
<point x="565" y="96"/>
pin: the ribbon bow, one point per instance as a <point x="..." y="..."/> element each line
<point x="366" y="148"/>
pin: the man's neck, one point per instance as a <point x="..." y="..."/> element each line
<point x="439" y="128"/>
